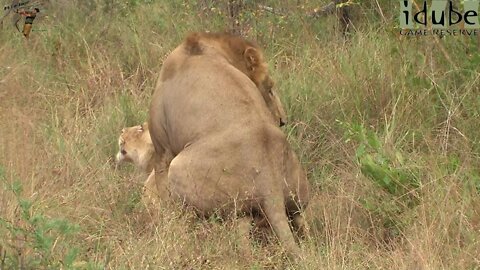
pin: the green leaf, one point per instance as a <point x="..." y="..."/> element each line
<point x="42" y="241"/>
<point x="373" y="140"/>
<point x="70" y="257"/>
<point x="360" y="152"/>
<point x="16" y="188"/>
<point x="2" y="172"/>
<point x="25" y="206"/>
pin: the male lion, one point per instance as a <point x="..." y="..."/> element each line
<point x="135" y="146"/>
<point x="215" y="113"/>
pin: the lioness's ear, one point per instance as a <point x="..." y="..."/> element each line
<point x="145" y="126"/>
<point x="140" y="128"/>
<point x="252" y="57"/>
<point x="123" y="130"/>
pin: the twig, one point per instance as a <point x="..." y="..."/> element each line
<point x="444" y="51"/>
<point x="323" y="11"/>
<point x="436" y="39"/>
<point x="381" y="11"/>
<point x="3" y="253"/>
<point x="270" y="9"/>
<point x="328" y="9"/>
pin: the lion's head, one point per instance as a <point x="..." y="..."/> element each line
<point x="247" y="57"/>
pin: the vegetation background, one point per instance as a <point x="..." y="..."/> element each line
<point x="386" y="126"/>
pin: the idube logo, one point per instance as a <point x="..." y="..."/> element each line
<point x="439" y="18"/>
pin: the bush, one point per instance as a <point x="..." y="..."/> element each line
<point x="36" y="241"/>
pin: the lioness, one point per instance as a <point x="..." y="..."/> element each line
<point x="135" y="146"/>
<point x="215" y="112"/>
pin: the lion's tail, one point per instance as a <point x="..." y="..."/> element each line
<point x="274" y="210"/>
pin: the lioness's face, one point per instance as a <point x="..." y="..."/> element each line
<point x="273" y="101"/>
<point x="131" y="144"/>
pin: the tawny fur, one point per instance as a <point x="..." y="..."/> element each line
<point x="213" y="113"/>
<point x="135" y="146"/>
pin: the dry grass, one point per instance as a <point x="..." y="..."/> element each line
<point x="66" y="93"/>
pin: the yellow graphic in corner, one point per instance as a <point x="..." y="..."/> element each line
<point x="26" y="10"/>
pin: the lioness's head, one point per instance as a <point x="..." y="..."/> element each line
<point x="248" y="58"/>
<point x="135" y="145"/>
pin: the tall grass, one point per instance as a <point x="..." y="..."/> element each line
<point x="386" y="127"/>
